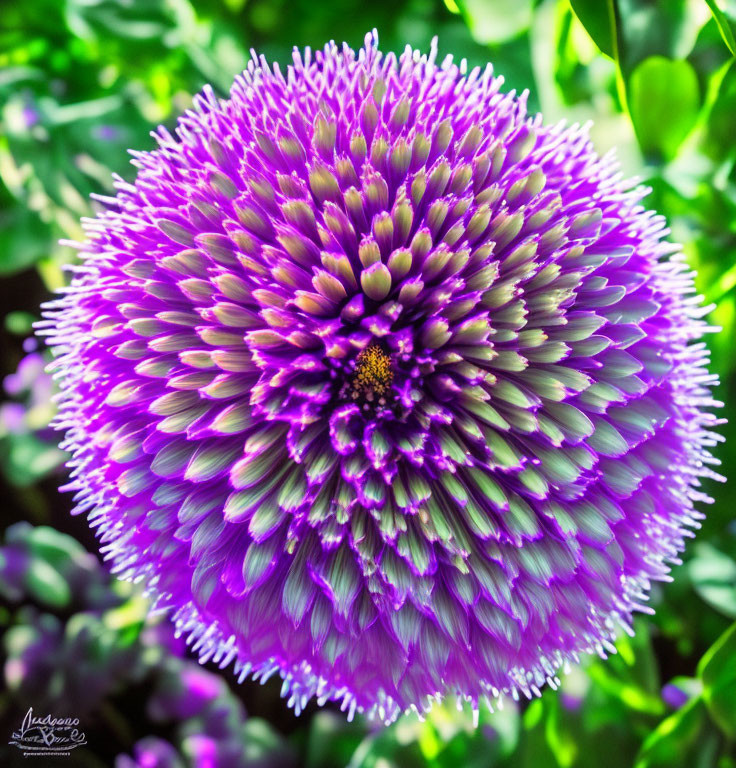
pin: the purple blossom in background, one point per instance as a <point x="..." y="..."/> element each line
<point x="32" y="383"/>
<point x="674" y="696"/>
<point x="106" y="133"/>
<point x="27" y="441"/>
<point x="151" y="752"/>
<point x="73" y="645"/>
<point x="383" y="385"/>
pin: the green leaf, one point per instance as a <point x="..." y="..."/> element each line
<point x="664" y="99"/>
<point x="723" y="25"/>
<point x="717" y="669"/>
<point x="26" y="239"/>
<point x="53" y="547"/>
<point x="25" y="458"/>
<point x="720" y="125"/>
<point x="713" y="575"/>
<point x="629" y="31"/>
<point x="598" y="18"/>
<point x="47" y="585"/>
<point x="675" y="740"/>
<point x="331" y="741"/>
<point x="656" y="28"/>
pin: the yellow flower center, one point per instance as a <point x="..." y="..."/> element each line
<point x="373" y="373"/>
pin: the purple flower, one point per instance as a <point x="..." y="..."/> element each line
<point x="72" y="645"/>
<point x="151" y="752"/>
<point x="678" y="691"/>
<point x="674" y="696"/>
<point x="31" y="383"/>
<point x="383" y="385"/>
<point x="60" y="650"/>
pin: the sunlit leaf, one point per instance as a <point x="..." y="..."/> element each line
<point x="724" y="25"/>
<point x="664" y="99"/>
<point x="718" y="672"/>
<point x="599" y="19"/>
<point x="714" y="578"/>
<point x="47" y="585"/>
<point x="25" y="239"/>
<point x="672" y="743"/>
<point x="722" y="119"/>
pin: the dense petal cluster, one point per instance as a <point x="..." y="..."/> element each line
<point x="383" y="385"/>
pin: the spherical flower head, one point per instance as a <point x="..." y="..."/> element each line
<point x="383" y="385"/>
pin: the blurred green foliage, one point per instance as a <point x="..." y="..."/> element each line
<point x="83" y="80"/>
<point x="77" y="641"/>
